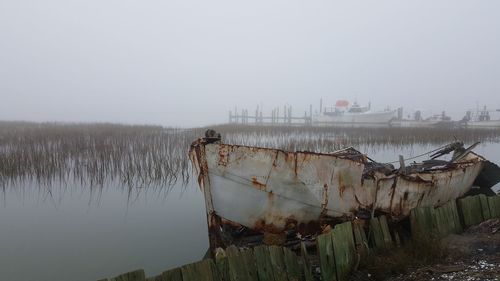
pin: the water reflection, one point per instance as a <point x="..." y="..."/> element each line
<point x="79" y="235"/>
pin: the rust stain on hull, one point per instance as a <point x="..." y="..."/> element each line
<point x="257" y="184"/>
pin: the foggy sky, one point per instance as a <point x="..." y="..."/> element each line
<point x="187" y="63"/>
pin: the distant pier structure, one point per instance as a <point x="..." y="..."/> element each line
<point x="277" y="117"/>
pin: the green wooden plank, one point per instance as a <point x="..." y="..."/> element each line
<point x="238" y="271"/>
<point x="422" y="221"/>
<point x="360" y="241"/>
<point x="292" y="265"/>
<point x="306" y="270"/>
<point x="136" y="275"/>
<point x="222" y="265"/>
<point x="414" y="225"/>
<point x="494" y="204"/>
<point x="415" y="222"/>
<point x="376" y="235"/>
<point x="448" y="217"/>
<point x="306" y="262"/>
<point x="385" y="231"/>
<point x="263" y="262"/>
<point x="174" y="274"/>
<point x="343" y="249"/>
<point x="397" y="240"/>
<point x="326" y="257"/>
<point x="452" y="206"/>
<point x="360" y="237"/>
<point x="201" y="271"/>
<point x="213" y="270"/>
<point x="249" y="262"/>
<point x="155" y="278"/>
<point x="438" y="222"/>
<point x="485" y="208"/>
<point x="441" y="225"/>
<point x="304" y="254"/>
<point x="470" y="210"/>
<point x="427" y="219"/>
<point x="278" y="263"/>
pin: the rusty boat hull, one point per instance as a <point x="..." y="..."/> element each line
<point x="271" y="190"/>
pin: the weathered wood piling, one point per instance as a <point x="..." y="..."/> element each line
<point x="339" y="250"/>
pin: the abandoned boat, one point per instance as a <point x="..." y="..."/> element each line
<point x="274" y="191"/>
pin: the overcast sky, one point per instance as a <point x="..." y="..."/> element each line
<point x="187" y="63"/>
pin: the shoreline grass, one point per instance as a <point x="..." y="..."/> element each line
<point x="140" y="155"/>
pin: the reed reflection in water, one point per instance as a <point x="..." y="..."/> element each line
<point x="73" y="233"/>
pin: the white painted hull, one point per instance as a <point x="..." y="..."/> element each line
<point x="271" y="190"/>
<point x="484" y="124"/>
<point x="415" y="124"/>
<point x="356" y="118"/>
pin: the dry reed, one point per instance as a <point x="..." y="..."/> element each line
<point x="93" y="154"/>
<point x="327" y="139"/>
<point x="96" y="154"/>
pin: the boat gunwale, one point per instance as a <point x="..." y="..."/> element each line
<point x="454" y="166"/>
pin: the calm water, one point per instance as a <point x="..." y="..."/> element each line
<point x="71" y="233"/>
<point x="75" y="237"/>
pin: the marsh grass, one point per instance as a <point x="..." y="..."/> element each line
<point x="93" y="154"/>
<point x="140" y="156"/>
<point x="326" y="139"/>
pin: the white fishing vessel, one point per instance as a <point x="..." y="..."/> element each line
<point x="482" y="118"/>
<point x="345" y="114"/>
<point x="434" y="121"/>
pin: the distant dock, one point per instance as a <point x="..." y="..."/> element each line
<point x="277" y="117"/>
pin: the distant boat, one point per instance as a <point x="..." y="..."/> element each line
<point x="343" y="114"/>
<point x="481" y="119"/>
<point x="437" y="120"/>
